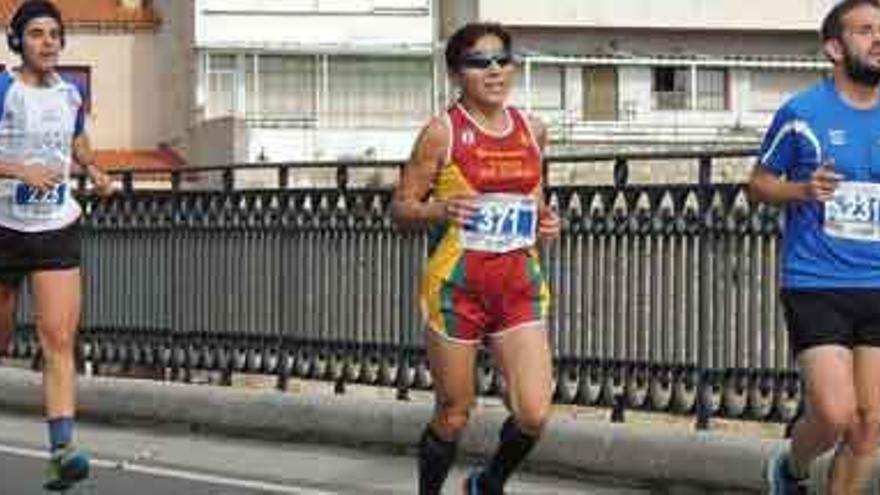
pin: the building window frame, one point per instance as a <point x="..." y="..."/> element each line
<point x="684" y="88"/>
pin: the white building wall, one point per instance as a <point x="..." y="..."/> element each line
<point x="313" y="24"/>
<point x="739" y="87"/>
<point x="574" y="92"/>
<point x="778" y="15"/>
<point x="329" y="30"/>
<point x="634" y="93"/>
<point x="284" y="145"/>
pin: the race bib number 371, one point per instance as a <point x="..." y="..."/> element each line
<point x="854" y="212"/>
<point x="503" y="222"/>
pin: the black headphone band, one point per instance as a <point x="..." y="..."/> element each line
<point x="31" y="9"/>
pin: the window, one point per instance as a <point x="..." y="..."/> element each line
<point x="222" y="81"/>
<point x="378" y="91"/>
<point x="672" y="88"/>
<point x="547" y="89"/>
<point x="283" y="88"/>
<point x="712" y="89"/>
<point x="357" y="91"/>
<point x="82" y="76"/>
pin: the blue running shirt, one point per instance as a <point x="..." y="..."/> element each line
<point x="814" y="126"/>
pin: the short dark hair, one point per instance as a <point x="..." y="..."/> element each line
<point x="27" y="11"/>
<point x="832" y="26"/>
<point x="466" y="36"/>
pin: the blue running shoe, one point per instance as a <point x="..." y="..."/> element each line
<point x="473" y="485"/>
<point x="66" y="467"/>
<point x="779" y="478"/>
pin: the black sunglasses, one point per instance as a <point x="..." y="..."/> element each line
<point x="484" y="60"/>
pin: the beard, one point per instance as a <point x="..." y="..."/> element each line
<point x="860" y="72"/>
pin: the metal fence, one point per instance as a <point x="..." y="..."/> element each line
<point x="665" y="296"/>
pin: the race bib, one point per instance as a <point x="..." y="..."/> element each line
<point x="502" y="223"/>
<point x="854" y="212"/>
<point x="29" y="202"/>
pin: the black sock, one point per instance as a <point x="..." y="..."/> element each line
<point x="435" y="458"/>
<point x="514" y="447"/>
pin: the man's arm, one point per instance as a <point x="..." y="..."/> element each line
<point x="766" y="186"/>
<point x="85" y="157"/>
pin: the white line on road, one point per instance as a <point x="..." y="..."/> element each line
<point x="175" y="473"/>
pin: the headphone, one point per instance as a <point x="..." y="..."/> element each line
<point x="13" y="40"/>
<point x="30" y="9"/>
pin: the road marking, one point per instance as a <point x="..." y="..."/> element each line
<point x="181" y="474"/>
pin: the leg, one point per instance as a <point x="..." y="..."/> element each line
<point x="853" y="463"/>
<point x="524" y="358"/>
<point x="452" y="370"/>
<point x="523" y="354"/>
<point x="8" y="293"/>
<point x="57" y="296"/>
<point x="830" y="404"/>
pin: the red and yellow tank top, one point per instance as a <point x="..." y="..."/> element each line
<point x="479" y="162"/>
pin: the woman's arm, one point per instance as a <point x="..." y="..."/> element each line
<point x="410" y="206"/>
<point x="549" y="225"/>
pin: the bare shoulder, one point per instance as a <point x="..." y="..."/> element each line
<point x="436" y="132"/>
<point x="538" y="128"/>
<point x="432" y="142"/>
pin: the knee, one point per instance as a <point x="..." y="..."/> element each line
<point x="864" y="432"/>
<point x="835" y="419"/>
<point x="452" y="418"/>
<point x="532" y="419"/>
<point x="57" y="341"/>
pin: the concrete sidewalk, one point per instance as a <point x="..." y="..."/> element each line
<point x="667" y="457"/>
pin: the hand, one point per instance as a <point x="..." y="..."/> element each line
<point x="823" y="183"/>
<point x="549" y="225"/>
<point x="103" y="183"/>
<point x="40" y="177"/>
<point x="460" y="210"/>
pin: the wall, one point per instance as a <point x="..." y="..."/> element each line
<point x="220" y="141"/>
<point x="330" y="144"/>
<point x="295" y="23"/>
<point x="126" y="109"/>
<point x="778" y="15"/>
<point x="176" y="69"/>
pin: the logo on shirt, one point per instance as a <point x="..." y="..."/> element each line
<point x="468" y="138"/>
<point x="837" y="137"/>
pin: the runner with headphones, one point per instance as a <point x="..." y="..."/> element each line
<point x="42" y="132"/>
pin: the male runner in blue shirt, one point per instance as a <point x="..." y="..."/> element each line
<point x="821" y="159"/>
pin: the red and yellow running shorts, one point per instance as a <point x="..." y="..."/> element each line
<point x="472" y="295"/>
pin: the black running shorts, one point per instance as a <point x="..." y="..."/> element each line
<point x="24" y="252"/>
<point x="845" y="317"/>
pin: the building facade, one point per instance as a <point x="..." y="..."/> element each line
<point x="643" y="72"/>
<point x="131" y="55"/>
<point x="355" y="79"/>
<point x="316" y="79"/>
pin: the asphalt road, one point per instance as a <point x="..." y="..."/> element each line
<point x="137" y="460"/>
